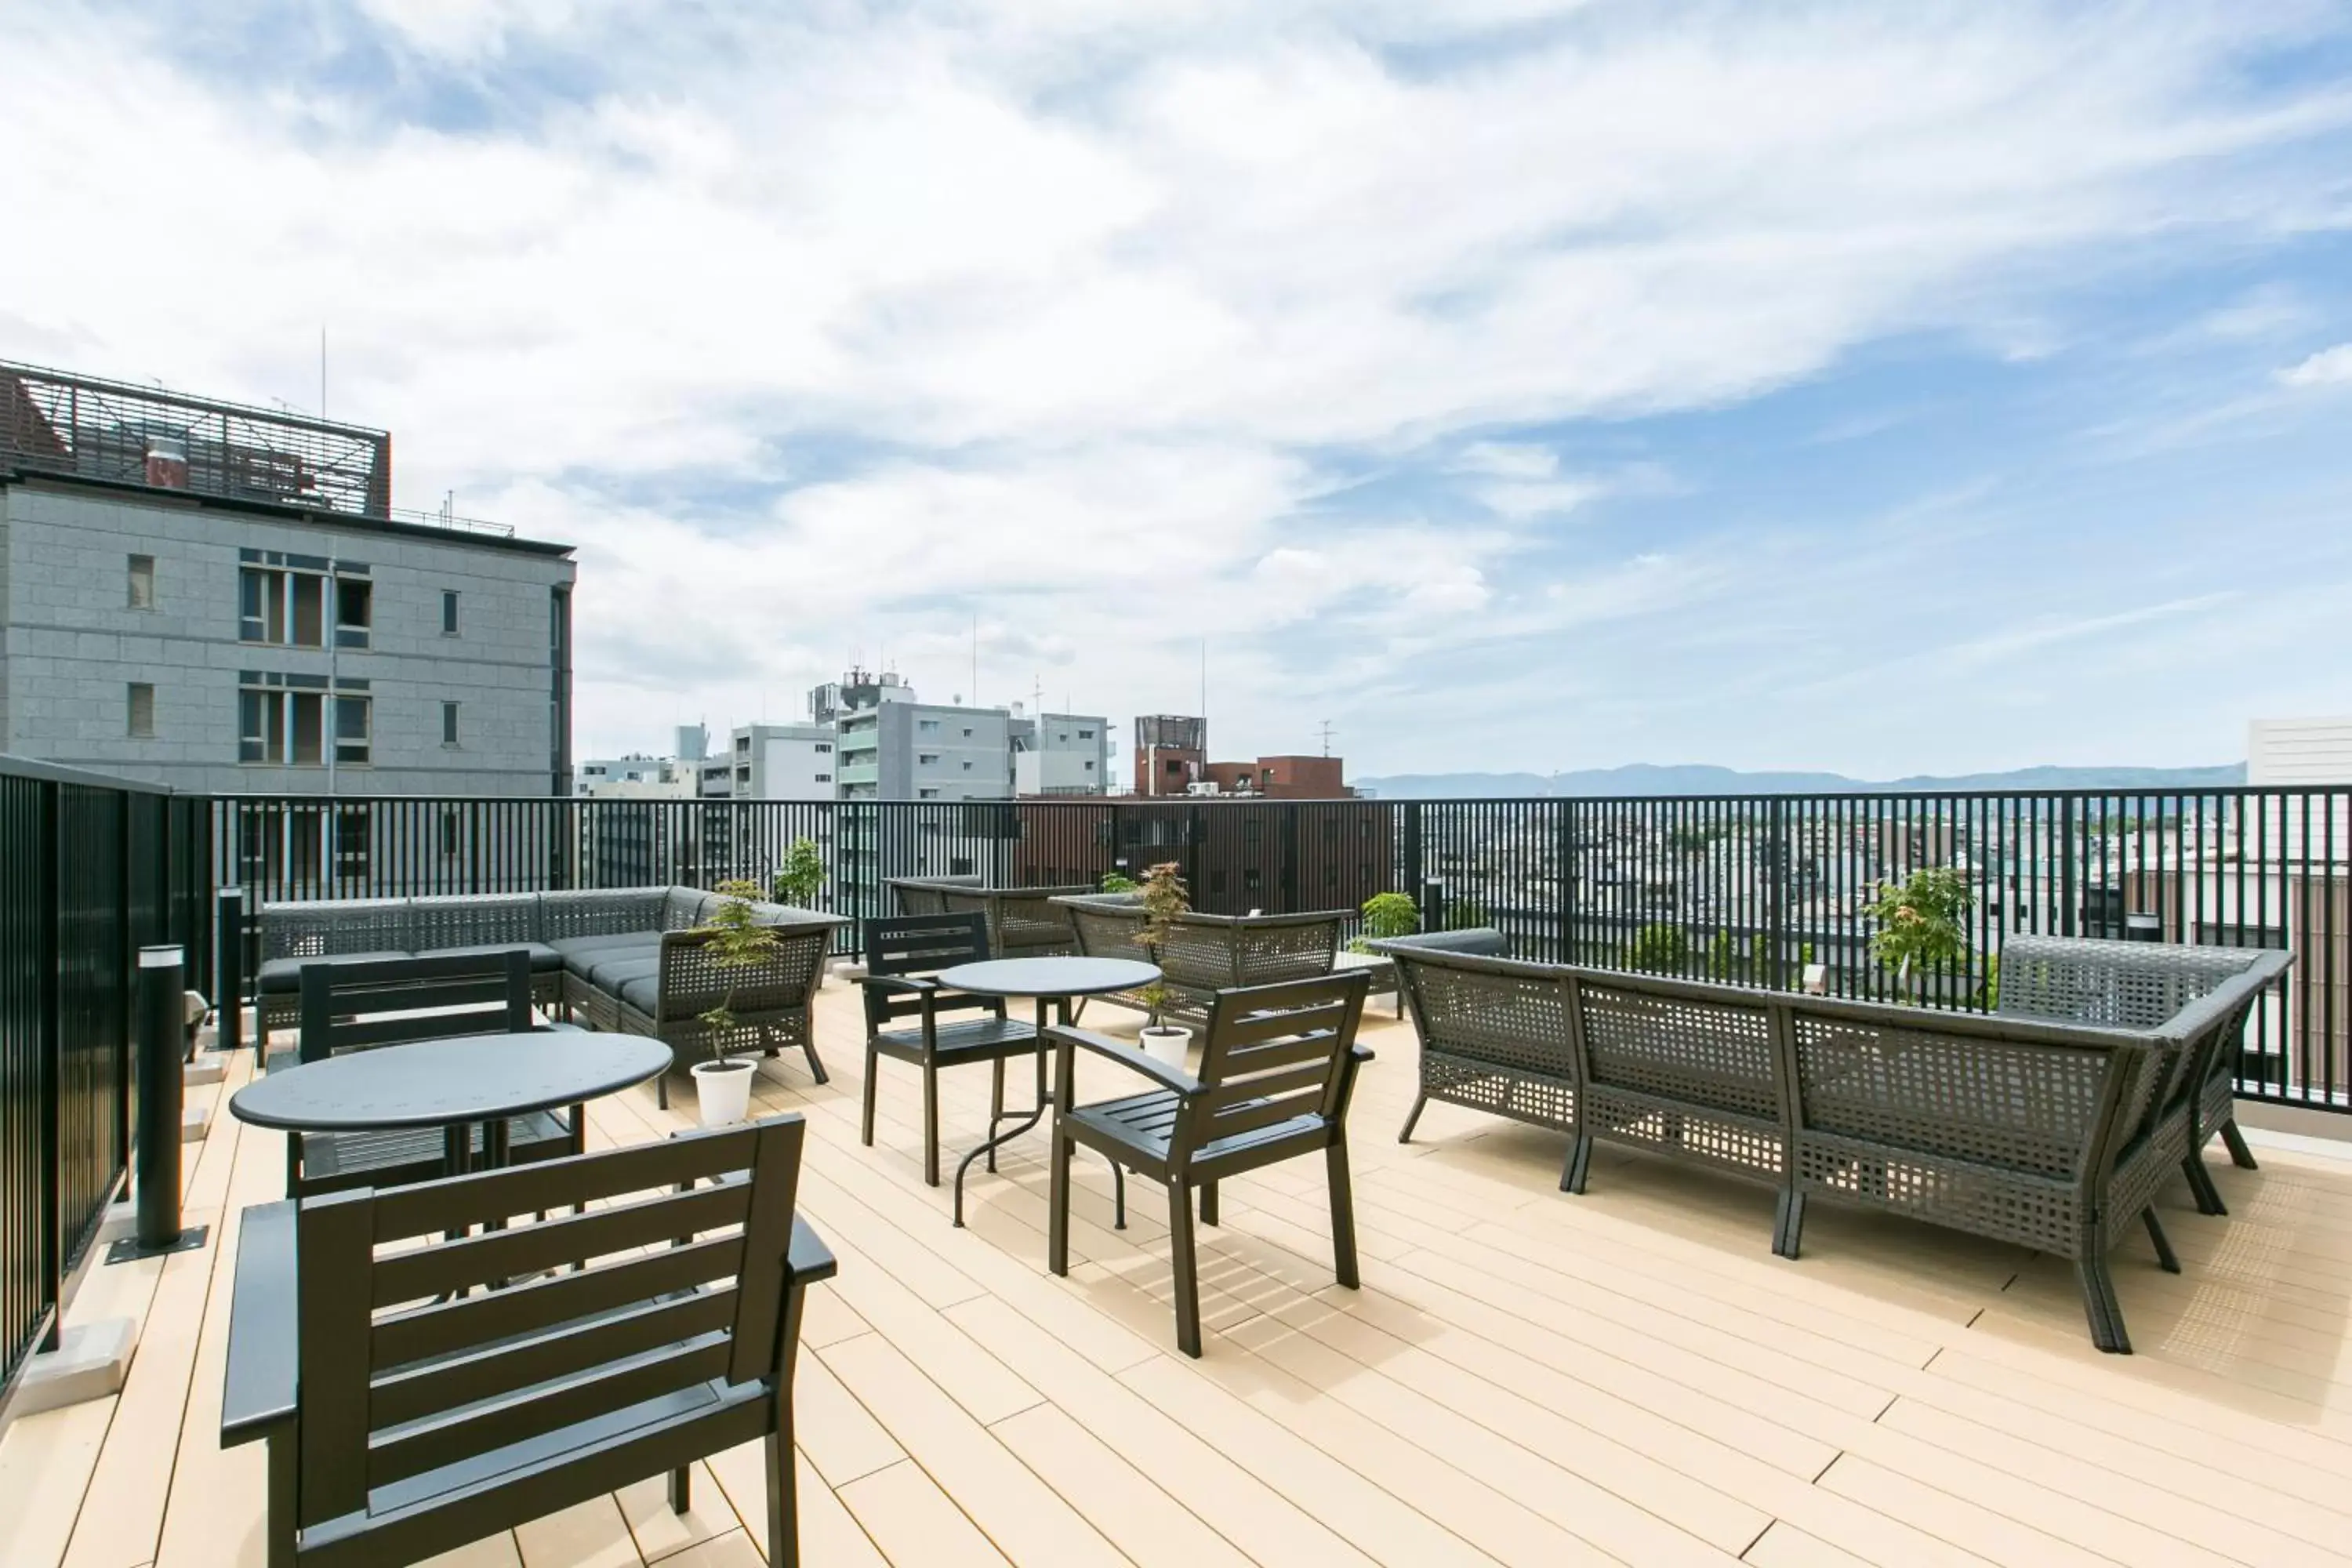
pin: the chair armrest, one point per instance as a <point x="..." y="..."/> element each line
<point x="260" y="1388"/>
<point x="810" y="1259"/>
<point x="1125" y="1055"/>
<point x="916" y="984"/>
<point x="1360" y="1054"/>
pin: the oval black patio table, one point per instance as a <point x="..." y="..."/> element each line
<point x="451" y="1084"/>
<point x="1054" y="980"/>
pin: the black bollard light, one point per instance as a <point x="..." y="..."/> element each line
<point x="229" y="969"/>
<point x="159" y="1013"/>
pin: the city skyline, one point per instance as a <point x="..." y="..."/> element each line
<point x="1524" y="387"/>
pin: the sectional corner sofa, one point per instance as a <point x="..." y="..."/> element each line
<point x="634" y="959"/>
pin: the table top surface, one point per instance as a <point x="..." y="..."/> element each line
<point x="1049" y="977"/>
<point x="438" y="1083"/>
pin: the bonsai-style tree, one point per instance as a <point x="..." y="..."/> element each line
<point x="1919" y="923"/>
<point x="737" y="942"/>
<point x="1659" y="948"/>
<point x="801" y="881"/>
<point x="1164" y="899"/>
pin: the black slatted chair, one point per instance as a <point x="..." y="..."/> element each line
<point x="356" y="1006"/>
<point x="1277" y="1065"/>
<point x="407" y="1412"/>
<point x="952" y="1027"/>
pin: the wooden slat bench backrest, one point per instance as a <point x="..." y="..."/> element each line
<point x="901" y="946"/>
<point x="683" y="1285"/>
<point x="1273" y="1052"/>
<point x="352" y="1005"/>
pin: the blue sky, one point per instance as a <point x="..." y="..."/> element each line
<point x="1514" y="384"/>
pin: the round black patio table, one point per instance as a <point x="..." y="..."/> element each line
<point x="1049" y="980"/>
<point x="451" y="1084"/>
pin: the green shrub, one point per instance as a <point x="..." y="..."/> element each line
<point x="1660" y="949"/>
<point x="801" y="881"/>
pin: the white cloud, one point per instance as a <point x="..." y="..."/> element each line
<point x="1067" y="309"/>
<point x="2328" y="367"/>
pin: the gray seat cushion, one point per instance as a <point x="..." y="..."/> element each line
<point x="610" y="971"/>
<point x="642" y="992"/>
<point x="285" y="974"/>
<point x="579" y="954"/>
<point x="544" y="960"/>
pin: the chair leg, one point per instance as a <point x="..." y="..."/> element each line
<point x="2240" y="1155"/>
<point x="1118" y="1196"/>
<point x="661" y="1091"/>
<point x="866" y="1123"/>
<point x="1208" y="1202"/>
<point x="681" y="1489"/>
<point x="930" y="1124"/>
<point x="816" y="1063"/>
<point x="996" y="1106"/>
<point x="1579" y="1164"/>
<point x="284" y="1482"/>
<point x="1058" y="1203"/>
<point x="1789" y="1222"/>
<point x="784" y="1502"/>
<point x="2099" y="1306"/>
<point x="2165" y="1258"/>
<point x="2201" y="1187"/>
<point x="1188" y="1282"/>
<point x="1404" y="1133"/>
<point x="1343" y="1212"/>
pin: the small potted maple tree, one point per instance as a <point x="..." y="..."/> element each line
<point x="1164" y="900"/>
<point x="722" y="1085"/>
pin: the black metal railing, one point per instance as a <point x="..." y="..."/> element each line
<point x="1749" y="889"/>
<point x="90" y="869"/>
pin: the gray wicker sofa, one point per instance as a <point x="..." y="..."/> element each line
<point x="2053" y="1133"/>
<point x="620" y="958"/>
<point x="1206" y="953"/>
<point x="1023" y="922"/>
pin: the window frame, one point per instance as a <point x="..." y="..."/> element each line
<point x="142" y="568"/>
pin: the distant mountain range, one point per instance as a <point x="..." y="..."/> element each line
<point x="1697" y="778"/>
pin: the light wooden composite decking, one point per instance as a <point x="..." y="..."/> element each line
<point x="1524" y="1378"/>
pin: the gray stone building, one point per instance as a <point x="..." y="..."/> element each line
<point x="221" y="599"/>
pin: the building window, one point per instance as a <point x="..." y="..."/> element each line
<point x="742" y="745"/>
<point x="928" y="726"/>
<point x="448" y="724"/>
<point x="448" y="612"/>
<point x="1086" y="734"/>
<point x="825" y="748"/>
<point x="354" y="739"/>
<point x="1090" y="766"/>
<point x="967" y="734"/>
<point x="927" y="758"/>
<point x="929" y="794"/>
<point x="287" y="606"/>
<point x="289" y="728"/>
<point x="967" y="767"/>
<point x="824" y="778"/>
<point x="143" y="583"/>
<point x="354" y="611"/>
<point x="142" y="711"/>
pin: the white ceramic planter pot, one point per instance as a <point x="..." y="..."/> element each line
<point x="1167" y="1042"/>
<point x="722" y="1092"/>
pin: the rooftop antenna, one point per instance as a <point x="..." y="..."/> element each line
<point x="975" y="659"/>
<point x="322" y="372"/>
<point x="1204" y="697"/>
<point x="1327" y="737"/>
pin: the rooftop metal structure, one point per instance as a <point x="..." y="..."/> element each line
<point x="55" y="422"/>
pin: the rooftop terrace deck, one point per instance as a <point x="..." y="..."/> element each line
<point x="1526" y="1377"/>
